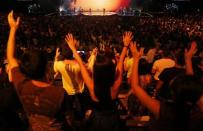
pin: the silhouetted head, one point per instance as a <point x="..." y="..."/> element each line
<point x="66" y="52"/>
<point x="144" y="67"/>
<point x="104" y="76"/>
<point x="187" y="90"/>
<point x="180" y="60"/>
<point x="33" y="64"/>
<point x="167" y="53"/>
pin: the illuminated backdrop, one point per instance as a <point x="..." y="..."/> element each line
<point x="109" y="5"/>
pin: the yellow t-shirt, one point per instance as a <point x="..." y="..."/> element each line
<point x="71" y="77"/>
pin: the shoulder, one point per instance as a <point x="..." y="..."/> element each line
<point x="59" y="65"/>
<point x="156" y="63"/>
<point x="17" y="75"/>
<point x="131" y="60"/>
<point x="18" y="78"/>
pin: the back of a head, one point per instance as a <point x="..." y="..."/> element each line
<point x="187" y="90"/>
<point x="180" y="60"/>
<point x="33" y="64"/>
<point x="104" y="76"/>
<point x="66" y="52"/>
<point x="167" y="53"/>
<point x="144" y="67"/>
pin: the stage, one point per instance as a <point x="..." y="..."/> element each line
<point x="99" y="13"/>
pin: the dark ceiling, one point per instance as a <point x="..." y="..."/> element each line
<point x="52" y="5"/>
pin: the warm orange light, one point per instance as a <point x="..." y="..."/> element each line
<point x="109" y="5"/>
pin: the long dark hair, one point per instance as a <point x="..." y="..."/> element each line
<point x="104" y="76"/>
<point x="65" y="51"/>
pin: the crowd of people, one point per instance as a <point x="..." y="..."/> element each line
<point x="94" y="57"/>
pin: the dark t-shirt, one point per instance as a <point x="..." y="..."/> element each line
<point x="104" y="117"/>
<point x="167" y="76"/>
<point x="166" y="118"/>
<point x="171" y="120"/>
<point x="42" y="101"/>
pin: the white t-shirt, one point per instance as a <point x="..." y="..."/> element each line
<point x="71" y="77"/>
<point x="160" y="65"/>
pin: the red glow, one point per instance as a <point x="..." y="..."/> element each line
<point x="109" y="5"/>
<point x="125" y="3"/>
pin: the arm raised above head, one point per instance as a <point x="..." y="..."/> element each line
<point x="188" y="58"/>
<point x="86" y="77"/>
<point x="14" y="24"/>
<point x="127" y="38"/>
<point x="152" y="104"/>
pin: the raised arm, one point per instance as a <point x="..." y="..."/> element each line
<point x="55" y="63"/>
<point x="92" y="59"/>
<point x="87" y="79"/>
<point x="57" y="54"/>
<point x="14" y="24"/>
<point x="188" y="58"/>
<point x="152" y="104"/>
<point x="127" y="38"/>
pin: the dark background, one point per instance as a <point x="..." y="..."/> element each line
<point x="147" y="5"/>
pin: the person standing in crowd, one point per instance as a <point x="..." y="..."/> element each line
<point x="42" y="102"/>
<point x="72" y="81"/>
<point x="162" y="90"/>
<point x="103" y="86"/>
<point x="175" y="115"/>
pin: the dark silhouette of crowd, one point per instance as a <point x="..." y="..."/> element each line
<point x="74" y="72"/>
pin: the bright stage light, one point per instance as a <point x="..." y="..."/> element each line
<point x="109" y="5"/>
<point x="61" y="8"/>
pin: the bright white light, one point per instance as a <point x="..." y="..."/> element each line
<point x="61" y="8"/>
<point x="109" y="5"/>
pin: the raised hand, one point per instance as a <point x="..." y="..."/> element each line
<point x="94" y="51"/>
<point x="127" y="38"/>
<point x="13" y="23"/>
<point x="134" y="50"/>
<point x="57" y="54"/>
<point x="70" y="41"/>
<point x="193" y="49"/>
